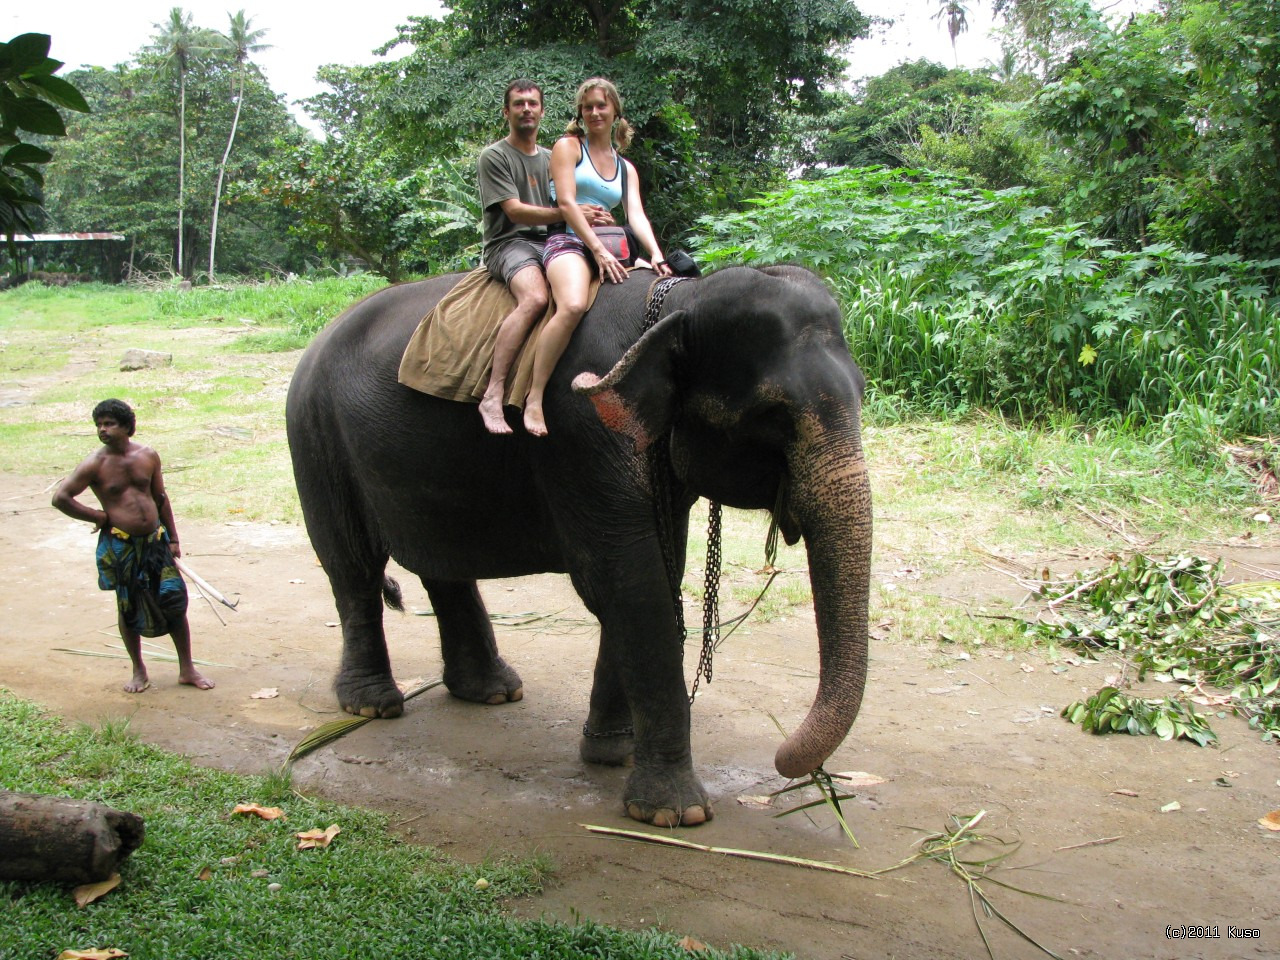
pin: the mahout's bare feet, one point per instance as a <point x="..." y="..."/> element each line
<point x="138" y="682"/>
<point x="197" y="680"/>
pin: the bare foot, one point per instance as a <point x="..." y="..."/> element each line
<point x="196" y="679"/>
<point x="491" y="413"/>
<point x="138" y="683"/>
<point x="533" y="421"/>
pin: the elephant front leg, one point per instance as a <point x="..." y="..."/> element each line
<point x="473" y="670"/>
<point x="364" y="684"/>
<point x="608" y="736"/>
<point x="638" y="640"/>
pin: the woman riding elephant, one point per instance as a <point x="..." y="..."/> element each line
<point x="586" y="167"/>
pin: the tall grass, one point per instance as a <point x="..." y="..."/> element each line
<point x="305" y="306"/>
<point x="955" y="298"/>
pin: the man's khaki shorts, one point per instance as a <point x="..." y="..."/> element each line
<point x="508" y="259"/>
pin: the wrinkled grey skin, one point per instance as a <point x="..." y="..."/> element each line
<point x="747" y="378"/>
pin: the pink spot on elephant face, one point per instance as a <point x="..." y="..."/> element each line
<point x="617" y="415"/>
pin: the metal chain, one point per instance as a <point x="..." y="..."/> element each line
<point x="660" y="470"/>
<point x="710" y="599"/>
<point x="660" y="473"/>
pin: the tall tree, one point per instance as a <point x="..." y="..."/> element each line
<point x="956" y="16"/>
<point x="119" y="164"/>
<point x="242" y="42"/>
<point x="708" y="86"/>
<point x="179" y="42"/>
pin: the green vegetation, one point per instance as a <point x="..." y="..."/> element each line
<point x="366" y="895"/>
<point x="29" y="92"/>
<point x="958" y="298"/>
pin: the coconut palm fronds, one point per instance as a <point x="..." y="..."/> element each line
<point x="327" y="733"/>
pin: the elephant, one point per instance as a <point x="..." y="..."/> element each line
<point x="745" y="383"/>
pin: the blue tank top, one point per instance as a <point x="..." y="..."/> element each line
<point x="591" y="187"/>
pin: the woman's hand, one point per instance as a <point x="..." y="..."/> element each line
<point x="611" y="268"/>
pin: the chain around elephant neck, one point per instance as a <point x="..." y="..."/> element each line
<point x="660" y="468"/>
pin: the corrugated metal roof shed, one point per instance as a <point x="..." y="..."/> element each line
<point x="60" y="237"/>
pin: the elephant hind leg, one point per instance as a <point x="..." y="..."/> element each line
<point x="473" y="670"/>
<point x="356" y="563"/>
<point x="364" y="683"/>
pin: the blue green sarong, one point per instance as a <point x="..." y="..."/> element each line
<point x="150" y="593"/>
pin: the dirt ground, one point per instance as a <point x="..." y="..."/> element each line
<point x="948" y="735"/>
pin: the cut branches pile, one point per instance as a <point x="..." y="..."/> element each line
<point x="1178" y="620"/>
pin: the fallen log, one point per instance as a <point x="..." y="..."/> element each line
<point x="60" y="840"/>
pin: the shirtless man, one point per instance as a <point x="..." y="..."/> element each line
<point x="515" y="192"/>
<point x="137" y="540"/>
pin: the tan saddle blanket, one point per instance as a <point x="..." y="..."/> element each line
<point x="450" y="354"/>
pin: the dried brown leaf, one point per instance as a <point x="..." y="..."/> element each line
<point x="204" y="874"/>
<point x="266" y="813"/>
<point x="857" y="778"/>
<point x="106" y="953"/>
<point x="266" y="693"/>
<point x="1271" y="821"/>
<point x="692" y="945"/>
<point x="89" y="892"/>
<point x="1126" y="793"/>
<point x="755" y="801"/>
<point x="318" y="838"/>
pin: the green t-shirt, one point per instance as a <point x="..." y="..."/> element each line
<point x="504" y="172"/>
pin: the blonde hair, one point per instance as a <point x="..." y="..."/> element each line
<point x="622" y="129"/>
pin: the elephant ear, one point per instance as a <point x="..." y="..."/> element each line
<point x="637" y="398"/>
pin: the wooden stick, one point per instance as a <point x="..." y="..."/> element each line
<point x="203" y="584"/>
<point x="728" y="851"/>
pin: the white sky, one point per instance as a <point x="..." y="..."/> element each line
<point x="101" y="33"/>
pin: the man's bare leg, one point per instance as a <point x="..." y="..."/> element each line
<point x="530" y="290"/>
<point x="133" y="646"/>
<point x="187" y="672"/>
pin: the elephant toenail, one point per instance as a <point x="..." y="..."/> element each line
<point x="694" y="816"/>
<point x="666" y="818"/>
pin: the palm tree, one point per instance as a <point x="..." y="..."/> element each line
<point x="1007" y="69"/>
<point x="179" y="42"/>
<point x="957" y="19"/>
<point x="241" y="42"/>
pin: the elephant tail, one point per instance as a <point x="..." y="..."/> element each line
<point x="391" y="595"/>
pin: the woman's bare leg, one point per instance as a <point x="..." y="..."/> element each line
<point x="570" y="279"/>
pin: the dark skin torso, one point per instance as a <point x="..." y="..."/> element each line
<point x="127" y="479"/>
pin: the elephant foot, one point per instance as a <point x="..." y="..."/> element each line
<point x="611" y="749"/>
<point x="667" y="799"/>
<point x="367" y="697"/>
<point x="500" y="684"/>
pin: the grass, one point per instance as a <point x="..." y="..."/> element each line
<point x="366" y="896"/>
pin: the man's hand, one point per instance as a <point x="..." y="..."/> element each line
<point x="597" y="216"/>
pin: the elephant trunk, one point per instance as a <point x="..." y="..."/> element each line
<point x="830" y="499"/>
